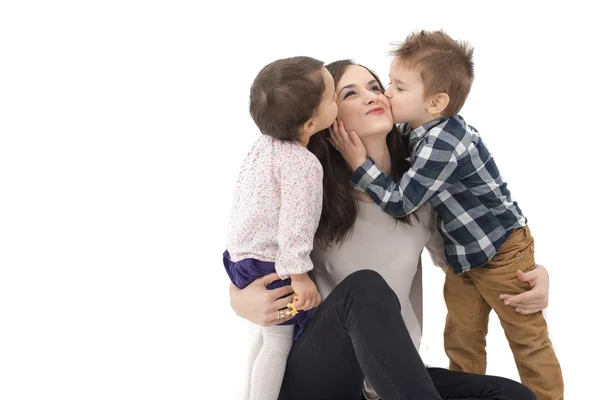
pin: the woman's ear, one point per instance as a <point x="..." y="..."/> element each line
<point x="438" y="103"/>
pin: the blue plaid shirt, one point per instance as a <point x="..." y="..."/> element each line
<point x="453" y="170"/>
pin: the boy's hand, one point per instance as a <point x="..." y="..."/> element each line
<point x="348" y="144"/>
<point x="305" y="289"/>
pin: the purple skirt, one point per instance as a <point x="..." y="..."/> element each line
<point x="246" y="271"/>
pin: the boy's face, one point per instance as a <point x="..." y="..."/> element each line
<point x="407" y="95"/>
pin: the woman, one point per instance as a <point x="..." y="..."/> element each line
<point x="367" y="270"/>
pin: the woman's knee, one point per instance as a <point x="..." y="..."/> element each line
<point x="515" y="390"/>
<point x="365" y="278"/>
<point x="367" y="282"/>
<point x="523" y="392"/>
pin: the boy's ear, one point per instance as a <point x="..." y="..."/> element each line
<point x="438" y="103"/>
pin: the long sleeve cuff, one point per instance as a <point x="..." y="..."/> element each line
<point x="365" y="175"/>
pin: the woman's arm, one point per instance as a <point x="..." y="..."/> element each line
<point x="536" y="298"/>
<point x="259" y="305"/>
<point x="435" y="245"/>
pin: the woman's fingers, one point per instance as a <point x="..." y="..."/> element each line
<point x="283" y="302"/>
<point x="286" y="316"/>
<point x="283" y="291"/>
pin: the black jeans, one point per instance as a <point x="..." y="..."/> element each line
<point x="358" y="331"/>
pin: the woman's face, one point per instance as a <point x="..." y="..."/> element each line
<point x="362" y="106"/>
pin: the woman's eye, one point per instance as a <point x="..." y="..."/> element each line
<point x="376" y="88"/>
<point x="349" y="93"/>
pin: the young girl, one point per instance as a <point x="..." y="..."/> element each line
<point x="277" y="204"/>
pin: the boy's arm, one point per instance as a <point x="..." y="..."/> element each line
<point x="434" y="169"/>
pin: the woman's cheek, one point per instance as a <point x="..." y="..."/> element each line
<point x="344" y="114"/>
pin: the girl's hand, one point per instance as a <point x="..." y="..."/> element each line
<point x="305" y="289"/>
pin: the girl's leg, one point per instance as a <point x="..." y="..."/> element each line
<point x="357" y="331"/>
<point x="255" y="347"/>
<point x="269" y="367"/>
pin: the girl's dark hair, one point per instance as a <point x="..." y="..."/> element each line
<point x="339" y="204"/>
<point x="285" y="94"/>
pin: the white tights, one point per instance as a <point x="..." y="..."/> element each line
<point x="268" y="356"/>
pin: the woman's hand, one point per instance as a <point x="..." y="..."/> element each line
<point x="259" y="305"/>
<point x="536" y="298"/>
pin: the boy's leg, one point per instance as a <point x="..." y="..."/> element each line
<point x="466" y="324"/>
<point x="527" y="334"/>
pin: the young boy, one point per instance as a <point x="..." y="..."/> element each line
<point x="485" y="233"/>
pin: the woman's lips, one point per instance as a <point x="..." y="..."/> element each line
<point x="378" y="110"/>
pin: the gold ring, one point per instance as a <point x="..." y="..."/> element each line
<point x="281" y="315"/>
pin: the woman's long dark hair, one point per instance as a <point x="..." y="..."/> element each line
<point x="339" y="204"/>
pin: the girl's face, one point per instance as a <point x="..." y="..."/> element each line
<point x="327" y="111"/>
<point x="362" y="105"/>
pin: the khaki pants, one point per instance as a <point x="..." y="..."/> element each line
<point x="471" y="296"/>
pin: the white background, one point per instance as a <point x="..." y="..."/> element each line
<point x="123" y="125"/>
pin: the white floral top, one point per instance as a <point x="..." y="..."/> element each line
<point x="276" y="206"/>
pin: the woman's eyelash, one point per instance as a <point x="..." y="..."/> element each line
<point x="352" y="92"/>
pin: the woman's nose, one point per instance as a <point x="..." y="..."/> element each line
<point x="371" y="97"/>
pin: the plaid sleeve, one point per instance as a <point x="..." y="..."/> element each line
<point x="433" y="170"/>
